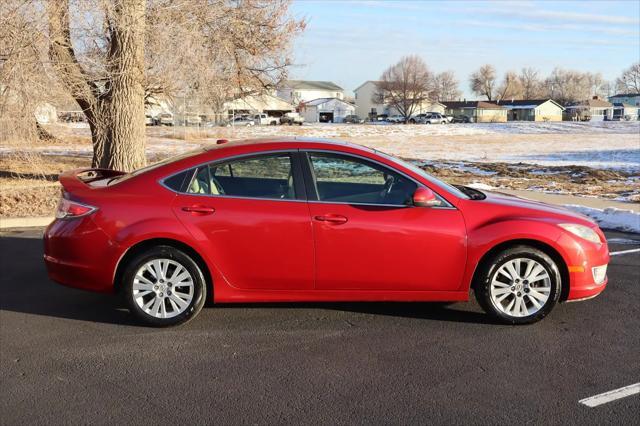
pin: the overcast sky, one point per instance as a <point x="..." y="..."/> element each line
<point x="349" y="42"/>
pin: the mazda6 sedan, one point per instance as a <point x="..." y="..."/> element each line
<point x="308" y="220"/>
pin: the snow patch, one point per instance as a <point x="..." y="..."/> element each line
<point x="481" y="186"/>
<point x="610" y="217"/>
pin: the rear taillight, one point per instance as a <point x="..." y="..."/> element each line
<point x="71" y="209"/>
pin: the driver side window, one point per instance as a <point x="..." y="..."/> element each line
<point x="345" y="179"/>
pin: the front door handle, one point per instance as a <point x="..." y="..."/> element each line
<point x="331" y="218"/>
<point x="199" y="209"/>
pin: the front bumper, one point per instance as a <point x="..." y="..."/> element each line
<point x="79" y="254"/>
<point x="582" y="257"/>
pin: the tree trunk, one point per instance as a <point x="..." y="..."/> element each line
<point x="115" y="112"/>
<point x="121" y="131"/>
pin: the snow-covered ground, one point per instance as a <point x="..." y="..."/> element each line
<point x="611" y="218"/>
<point x="603" y="145"/>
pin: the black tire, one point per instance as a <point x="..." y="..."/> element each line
<point x="482" y="286"/>
<point x="178" y="256"/>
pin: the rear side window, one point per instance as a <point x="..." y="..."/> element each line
<point x="177" y="182"/>
<point x="266" y="176"/>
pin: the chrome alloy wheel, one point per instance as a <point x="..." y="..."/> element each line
<point x="163" y="288"/>
<point x="520" y="287"/>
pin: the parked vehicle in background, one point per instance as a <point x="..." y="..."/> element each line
<point x="461" y="119"/>
<point x="292" y="118"/>
<point x="449" y="118"/>
<point x="166" y="119"/>
<point x="313" y="221"/>
<point x="396" y="118"/>
<point x="435" y="118"/>
<point x="263" y="119"/>
<point x="241" y="120"/>
<point x="382" y="117"/>
<point x="418" y="119"/>
<point x="149" y="120"/>
<point x="353" y="119"/>
<point x="192" y="120"/>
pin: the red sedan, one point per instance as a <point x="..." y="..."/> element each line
<point x="306" y="220"/>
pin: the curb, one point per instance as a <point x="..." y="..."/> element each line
<point x="25" y="222"/>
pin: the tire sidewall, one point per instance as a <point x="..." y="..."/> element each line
<point x="164" y="252"/>
<point x="492" y="267"/>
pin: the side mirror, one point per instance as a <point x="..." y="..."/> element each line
<point x="424" y="197"/>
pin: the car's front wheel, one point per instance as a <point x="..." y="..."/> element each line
<point x="163" y="286"/>
<point x="520" y="285"/>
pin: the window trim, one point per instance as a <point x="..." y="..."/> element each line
<point x="312" y="193"/>
<point x="296" y="168"/>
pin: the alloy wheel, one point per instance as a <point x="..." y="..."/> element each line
<point x="520" y="287"/>
<point x="163" y="288"/>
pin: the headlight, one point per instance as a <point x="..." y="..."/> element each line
<point x="582" y="231"/>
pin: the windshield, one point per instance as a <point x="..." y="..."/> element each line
<point x="155" y="165"/>
<point x="417" y="170"/>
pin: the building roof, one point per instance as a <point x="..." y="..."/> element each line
<point x="311" y="85"/>
<point x="624" y="95"/>
<point x="365" y="83"/>
<point x="471" y="105"/>
<point x="623" y="105"/>
<point x="526" y="103"/>
<point x="591" y="103"/>
<point x="321" y="101"/>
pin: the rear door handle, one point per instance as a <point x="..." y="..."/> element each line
<point x="331" y="218"/>
<point x="201" y="210"/>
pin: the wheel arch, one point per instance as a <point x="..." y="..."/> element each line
<point x="143" y="245"/>
<point x="537" y="244"/>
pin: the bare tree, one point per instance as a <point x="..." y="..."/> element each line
<point x="566" y="86"/>
<point x="629" y="81"/>
<point x="445" y="87"/>
<point x="530" y="83"/>
<point x="510" y="87"/>
<point x="483" y="81"/>
<point x="405" y="85"/>
<point x="112" y="56"/>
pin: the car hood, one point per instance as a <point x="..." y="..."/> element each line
<point x="534" y="208"/>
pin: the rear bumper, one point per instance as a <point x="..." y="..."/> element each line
<point x="79" y="254"/>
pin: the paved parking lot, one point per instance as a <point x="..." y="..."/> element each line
<point x="70" y="357"/>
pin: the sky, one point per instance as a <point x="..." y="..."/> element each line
<point x="350" y="42"/>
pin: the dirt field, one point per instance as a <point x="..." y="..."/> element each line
<point x="593" y="159"/>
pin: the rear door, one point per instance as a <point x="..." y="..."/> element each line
<point x="251" y="215"/>
<point x="369" y="237"/>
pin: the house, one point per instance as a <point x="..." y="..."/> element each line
<point x="594" y="109"/>
<point x="632" y="99"/>
<point x="625" y="112"/>
<point x="252" y="104"/>
<point x="370" y="105"/>
<point x="326" y="110"/>
<point x="533" y="110"/>
<point x="477" y="111"/>
<point x="298" y="91"/>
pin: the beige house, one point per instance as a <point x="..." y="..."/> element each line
<point x="477" y="111"/>
<point x="298" y="91"/>
<point x="269" y="104"/>
<point x="594" y="109"/>
<point x="369" y="105"/>
<point x="533" y="110"/>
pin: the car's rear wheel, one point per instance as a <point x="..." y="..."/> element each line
<point x="520" y="285"/>
<point x="163" y="286"/>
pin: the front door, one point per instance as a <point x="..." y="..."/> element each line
<point x="251" y="216"/>
<point x="369" y="237"/>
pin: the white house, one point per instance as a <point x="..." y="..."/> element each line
<point x="297" y="91"/>
<point x="632" y="99"/>
<point x="266" y="103"/>
<point x="326" y="110"/>
<point x="367" y="107"/>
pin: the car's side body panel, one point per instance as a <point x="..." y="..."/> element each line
<point x="274" y="250"/>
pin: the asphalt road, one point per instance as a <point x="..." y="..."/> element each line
<point x="70" y="357"/>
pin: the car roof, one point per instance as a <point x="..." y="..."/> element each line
<point x="299" y="141"/>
